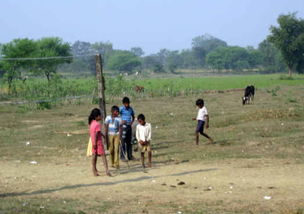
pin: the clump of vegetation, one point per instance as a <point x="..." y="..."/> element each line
<point x="274" y="91"/>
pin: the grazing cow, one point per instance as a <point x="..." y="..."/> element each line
<point x="248" y="95"/>
<point x="139" y="88"/>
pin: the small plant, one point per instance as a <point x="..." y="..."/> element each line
<point x="292" y="100"/>
<point x="44" y="105"/>
<point x="273" y="91"/>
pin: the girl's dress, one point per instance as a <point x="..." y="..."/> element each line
<point x="95" y="129"/>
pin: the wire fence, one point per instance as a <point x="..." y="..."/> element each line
<point x="44" y="82"/>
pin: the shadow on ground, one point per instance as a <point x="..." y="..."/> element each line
<point x="141" y="178"/>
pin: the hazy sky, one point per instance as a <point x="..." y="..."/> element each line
<point x="150" y="24"/>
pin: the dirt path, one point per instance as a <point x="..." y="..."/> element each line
<point x="234" y="186"/>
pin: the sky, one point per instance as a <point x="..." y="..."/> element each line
<point x="149" y="24"/>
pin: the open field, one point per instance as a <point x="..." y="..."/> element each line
<point x="259" y="152"/>
<point x="58" y="89"/>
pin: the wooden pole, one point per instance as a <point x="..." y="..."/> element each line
<point x="101" y="86"/>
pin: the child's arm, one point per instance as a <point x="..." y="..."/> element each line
<point x="107" y="134"/>
<point x="94" y="141"/>
<point x="207" y="121"/>
<point x="149" y="134"/>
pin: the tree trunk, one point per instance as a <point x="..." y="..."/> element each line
<point x="290" y="72"/>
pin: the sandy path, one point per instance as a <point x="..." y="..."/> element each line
<point x="234" y="183"/>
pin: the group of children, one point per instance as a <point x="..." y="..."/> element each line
<point x="118" y="136"/>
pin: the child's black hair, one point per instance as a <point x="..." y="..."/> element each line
<point x="114" y="108"/>
<point x="94" y="113"/>
<point x="141" y="117"/>
<point x="126" y="100"/>
<point x="199" y="102"/>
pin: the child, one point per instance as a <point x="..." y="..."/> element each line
<point x="202" y="120"/>
<point x="127" y="117"/>
<point x="113" y="133"/>
<point x="97" y="146"/>
<point x="143" y="136"/>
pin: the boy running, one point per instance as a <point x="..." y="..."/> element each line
<point x="202" y="120"/>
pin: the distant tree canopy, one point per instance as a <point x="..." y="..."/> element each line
<point x="124" y="61"/>
<point x="288" y="37"/>
<point x="28" y="48"/>
<point x="235" y="58"/>
<point x="138" y="51"/>
<point x="202" y="45"/>
<point x="51" y="47"/>
<point x="271" y="58"/>
<point x="282" y="50"/>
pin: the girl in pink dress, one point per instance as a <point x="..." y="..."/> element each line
<point x="96" y="138"/>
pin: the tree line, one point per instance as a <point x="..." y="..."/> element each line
<point x="282" y="50"/>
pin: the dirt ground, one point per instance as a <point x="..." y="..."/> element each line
<point x="233" y="187"/>
<point x="256" y="171"/>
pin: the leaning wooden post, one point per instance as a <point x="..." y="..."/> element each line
<point x="101" y="86"/>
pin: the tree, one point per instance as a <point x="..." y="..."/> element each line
<point x="188" y="59"/>
<point x="154" y="63"/>
<point x="288" y="37"/>
<point x="123" y="61"/>
<point x="18" y="48"/>
<point x="232" y="57"/>
<point x="271" y="58"/>
<point x="51" y="47"/>
<point x="105" y="49"/>
<point x="202" y="45"/>
<point x="84" y="60"/>
<point x="138" y="51"/>
<point x="174" y="61"/>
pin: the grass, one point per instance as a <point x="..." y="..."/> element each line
<point x="252" y="141"/>
<point x="60" y="90"/>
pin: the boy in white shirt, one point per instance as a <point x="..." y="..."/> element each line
<point x="202" y="120"/>
<point x="143" y="136"/>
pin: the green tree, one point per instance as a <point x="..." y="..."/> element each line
<point x="202" y="45"/>
<point x="271" y="57"/>
<point x="138" y="51"/>
<point x="51" y="47"/>
<point x="154" y="63"/>
<point x="288" y="37"/>
<point x="233" y="57"/>
<point x="18" y="48"/>
<point x="105" y="49"/>
<point x="174" y="60"/>
<point x="124" y="61"/>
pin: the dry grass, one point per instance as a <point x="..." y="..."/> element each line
<point x="259" y="152"/>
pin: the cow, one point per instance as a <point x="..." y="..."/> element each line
<point x="139" y="88"/>
<point x="248" y="95"/>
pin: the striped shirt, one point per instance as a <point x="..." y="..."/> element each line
<point x="113" y="124"/>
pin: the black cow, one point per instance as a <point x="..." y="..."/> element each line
<point x="248" y="95"/>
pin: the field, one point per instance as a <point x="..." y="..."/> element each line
<point x="62" y="89"/>
<point x="256" y="165"/>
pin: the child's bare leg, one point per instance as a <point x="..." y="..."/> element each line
<point x="207" y="136"/>
<point x="196" y="138"/>
<point x="94" y="161"/>
<point x="143" y="159"/>
<point x="105" y="163"/>
<point x="150" y="158"/>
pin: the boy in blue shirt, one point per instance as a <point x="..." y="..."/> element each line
<point x="127" y="116"/>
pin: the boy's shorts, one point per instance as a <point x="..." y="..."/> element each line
<point x="200" y="126"/>
<point x="144" y="148"/>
